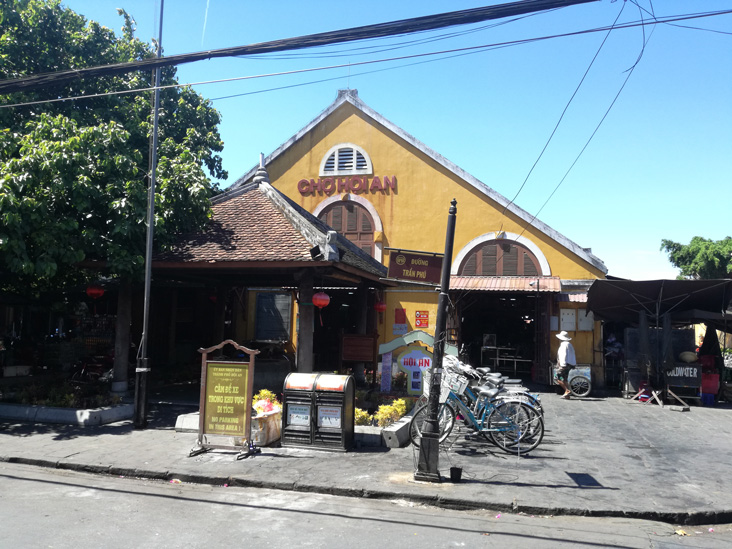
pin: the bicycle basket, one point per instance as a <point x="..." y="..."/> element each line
<point x="450" y="382"/>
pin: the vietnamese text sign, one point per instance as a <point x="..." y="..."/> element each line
<point x="422" y="319"/>
<point x="386" y="372"/>
<point x="225" y="404"/>
<point x="329" y="416"/>
<point x="684" y="375"/>
<point x="298" y="414"/>
<point x="415" y="267"/>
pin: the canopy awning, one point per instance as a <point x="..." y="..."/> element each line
<point x="687" y="301"/>
<point x="530" y="284"/>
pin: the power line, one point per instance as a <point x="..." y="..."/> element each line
<point x="566" y="108"/>
<point x="587" y="143"/>
<point x="459" y="51"/>
<point x="405" y="26"/>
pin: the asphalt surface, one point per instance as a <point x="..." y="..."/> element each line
<point x="601" y="456"/>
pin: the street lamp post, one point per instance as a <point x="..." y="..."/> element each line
<point x="428" y="464"/>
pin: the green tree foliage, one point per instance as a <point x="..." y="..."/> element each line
<point x="701" y="258"/>
<point x="73" y="174"/>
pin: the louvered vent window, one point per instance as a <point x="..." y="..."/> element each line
<point x="346" y="159"/>
<point x="361" y="163"/>
<point x="330" y="163"/>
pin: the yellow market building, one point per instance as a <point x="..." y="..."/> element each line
<point x="515" y="282"/>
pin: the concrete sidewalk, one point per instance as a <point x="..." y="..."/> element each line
<point x="600" y="457"/>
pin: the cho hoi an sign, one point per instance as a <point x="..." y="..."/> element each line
<point x="415" y="266"/>
<point x="360" y="184"/>
<point x="226" y="403"/>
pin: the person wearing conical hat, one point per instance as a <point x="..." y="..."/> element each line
<point x="566" y="360"/>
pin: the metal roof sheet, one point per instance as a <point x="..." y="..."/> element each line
<point x="506" y="283"/>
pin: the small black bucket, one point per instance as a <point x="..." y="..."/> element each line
<point x="456" y="473"/>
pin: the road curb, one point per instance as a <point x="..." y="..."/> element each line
<point x="670" y="517"/>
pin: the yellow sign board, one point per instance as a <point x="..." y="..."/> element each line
<point x="226" y="403"/>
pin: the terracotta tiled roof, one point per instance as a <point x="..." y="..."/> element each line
<point x="506" y="283"/>
<point x="246" y="227"/>
<point x="257" y="223"/>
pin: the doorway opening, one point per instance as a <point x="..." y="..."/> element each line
<point x="502" y="330"/>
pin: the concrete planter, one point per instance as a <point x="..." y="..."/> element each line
<point x="367" y="436"/>
<point x="67" y="416"/>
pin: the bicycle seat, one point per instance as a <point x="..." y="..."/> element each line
<point x="488" y="392"/>
<point x="492" y="384"/>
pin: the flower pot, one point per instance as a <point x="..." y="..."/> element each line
<point x="267" y="427"/>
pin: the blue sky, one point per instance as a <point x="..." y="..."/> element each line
<point x="659" y="166"/>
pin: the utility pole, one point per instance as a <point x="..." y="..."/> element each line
<point x="143" y="362"/>
<point x="428" y="464"/>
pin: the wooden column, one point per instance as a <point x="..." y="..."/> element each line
<point x="361" y="328"/>
<point x="305" y="334"/>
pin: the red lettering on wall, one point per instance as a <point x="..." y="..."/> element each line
<point x="303" y="186"/>
<point x="356" y="184"/>
<point x="359" y="185"/>
<point x="376" y="184"/>
<point x="328" y="185"/>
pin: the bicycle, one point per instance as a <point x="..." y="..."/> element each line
<point x="513" y="425"/>
<point x="482" y="377"/>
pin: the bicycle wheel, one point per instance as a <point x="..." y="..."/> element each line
<point x="515" y="427"/>
<point x="580" y="386"/>
<point x="524" y="396"/>
<point x="445" y="420"/>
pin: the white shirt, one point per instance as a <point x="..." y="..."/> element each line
<point x="565" y="355"/>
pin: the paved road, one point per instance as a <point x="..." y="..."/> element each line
<point x="66" y="509"/>
<point x="600" y="457"/>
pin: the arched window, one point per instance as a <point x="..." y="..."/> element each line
<point x="345" y="159"/>
<point x="352" y="221"/>
<point x="500" y="258"/>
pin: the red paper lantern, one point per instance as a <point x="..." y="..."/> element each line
<point x="94" y="291"/>
<point x="321" y="299"/>
<point x="380" y="306"/>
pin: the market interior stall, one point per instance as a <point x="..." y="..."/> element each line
<point x="654" y="309"/>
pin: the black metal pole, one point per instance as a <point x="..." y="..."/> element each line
<point x="428" y="464"/>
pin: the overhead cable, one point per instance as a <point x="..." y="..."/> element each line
<point x="393" y="28"/>
<point x="457" y="52"/>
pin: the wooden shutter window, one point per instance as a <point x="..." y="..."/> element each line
<point x="500" y="259"/>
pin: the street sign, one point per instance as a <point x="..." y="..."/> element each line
<point x="415" y="267"/>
